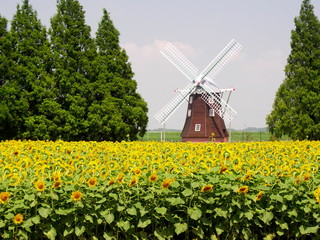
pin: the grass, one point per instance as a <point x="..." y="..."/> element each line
<point x="238" y="136"/>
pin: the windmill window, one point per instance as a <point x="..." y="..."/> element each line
<point x="191" y="99"/>
<point x="189" y="112"/>
<point x="197" y="127"/>
<point x="211" y="112"/>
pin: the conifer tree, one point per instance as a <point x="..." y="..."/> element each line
<point x="26" y="85"/>
<point x="5" y="68"/>
<point x="115" y="70"/>
<point x="74" y="52"/>
<point x="296" y="108"/>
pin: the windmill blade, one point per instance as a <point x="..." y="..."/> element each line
<point x="180" y="61"/>
<point x="221" y="60"/>
<point x="163" y="115"/>
<point x="222" y="108"/>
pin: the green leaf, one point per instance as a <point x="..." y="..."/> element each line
<point x="175" y="201"/>
<point x="161" y="210"/>
<point x="249" y="215"/>
<point x="144" y="223"/>
<point x="293" y="213"/>
<point x="125" y="225"/>
<point x="51" y="234"/>
<point x="113" y="195"/>
<point x="108" y="236"/>
<point x="288" y="197"/>
<point x="280" y="231"/>
<point x="68" y="231"/>
<point x="187" y="192"/>
<point x="132" y="211"/>
<point x="180" y="227"/>
<point x="277" y="197"/>
<point x="221" y="213"/>
<point x="213" y="237"/>
<point x="9" y="216"/>
<point x="44" y="212"/>
<point x="28" y="223"/>
<point x="88" y="218"/>
<point x="308" y="230"/>
<point x="246" y="233"/>
<point x="2" y="224"/>
<point x="79" y="230"/>
<point x="64" y="212"/>
<point x="120" y="208"/>
<point x="159" y="234"/>
<point x="220" y="229"/>
<point x="307" y="209"/>
<point x="30" y="197"/>
<point x="194" y="213"/>
<point x="109" y="218"/>
<point x="266" y="217"/>
<point x="36" y="219"/>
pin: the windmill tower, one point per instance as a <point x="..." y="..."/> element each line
<point x="207" y="112"/>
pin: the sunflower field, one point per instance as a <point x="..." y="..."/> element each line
<point x="159" y="190"/>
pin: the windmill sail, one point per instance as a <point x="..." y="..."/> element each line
<point x="174" y="104"/>
<point x="180" y="61"/>
<point x="221" y="60"/>
<point x="211" y="97"/>
<point x="215" y="102"/>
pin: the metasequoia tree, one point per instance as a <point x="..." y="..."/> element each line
<point x="296" y="108"/>
<point x="26" y="84"/>
<point x="131" y="118"/>
<point x="65" y="84"/>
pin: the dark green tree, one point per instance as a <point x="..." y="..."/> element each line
<point x="296" y="108"/>
<point x="74" y="54"/>
<point x="130" y="119"/>
<point x="5" y="67"/>
<point x="26" y="82"/>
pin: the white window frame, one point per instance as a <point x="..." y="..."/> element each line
<point x="191" y="99"/>
<point x="197" y="127"/>
<point x="189" y="112"/>
<point x="211" y="112"/>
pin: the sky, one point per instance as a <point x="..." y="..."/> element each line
<point x="200" y="29"/>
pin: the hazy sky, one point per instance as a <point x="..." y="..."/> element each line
<point x="200" y="29"/>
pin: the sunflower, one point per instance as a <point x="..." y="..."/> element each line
<point x="207" y="188"/>
<point x="4" y="197"/>
<point x="92" y="181"/>
<point x="153" y="177"/>
<point x="40" y="186"/>
<point x="297" y="180"/>
<point x="18" y="218"/>
<point x="56" y="176"/>
<point x="306" y="176"/>
<point x="317" y="194"/>
<point x="133" y="181"/>
<point x="111" y="182"/>
<point x="223" y="169"/>
<point x="137" y="171"/>
<point x="76" y="196"/>
<point x="259" y="196"/>
<point x="56" y="184"/>
<point x="120" y="177"/>
<point x="243" y="189"/>
<point x="166" y="183"/>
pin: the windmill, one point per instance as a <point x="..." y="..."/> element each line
<point x="207" y="113"/>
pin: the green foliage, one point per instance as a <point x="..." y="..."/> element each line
<point x="26" y="82"/>
<point x="296" y="110"/>
<point x="115" y="69"/>
<point x="66" y="88"/>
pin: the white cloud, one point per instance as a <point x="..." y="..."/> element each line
<point x="269" y="60"/>
<point x="142" y="53"/>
